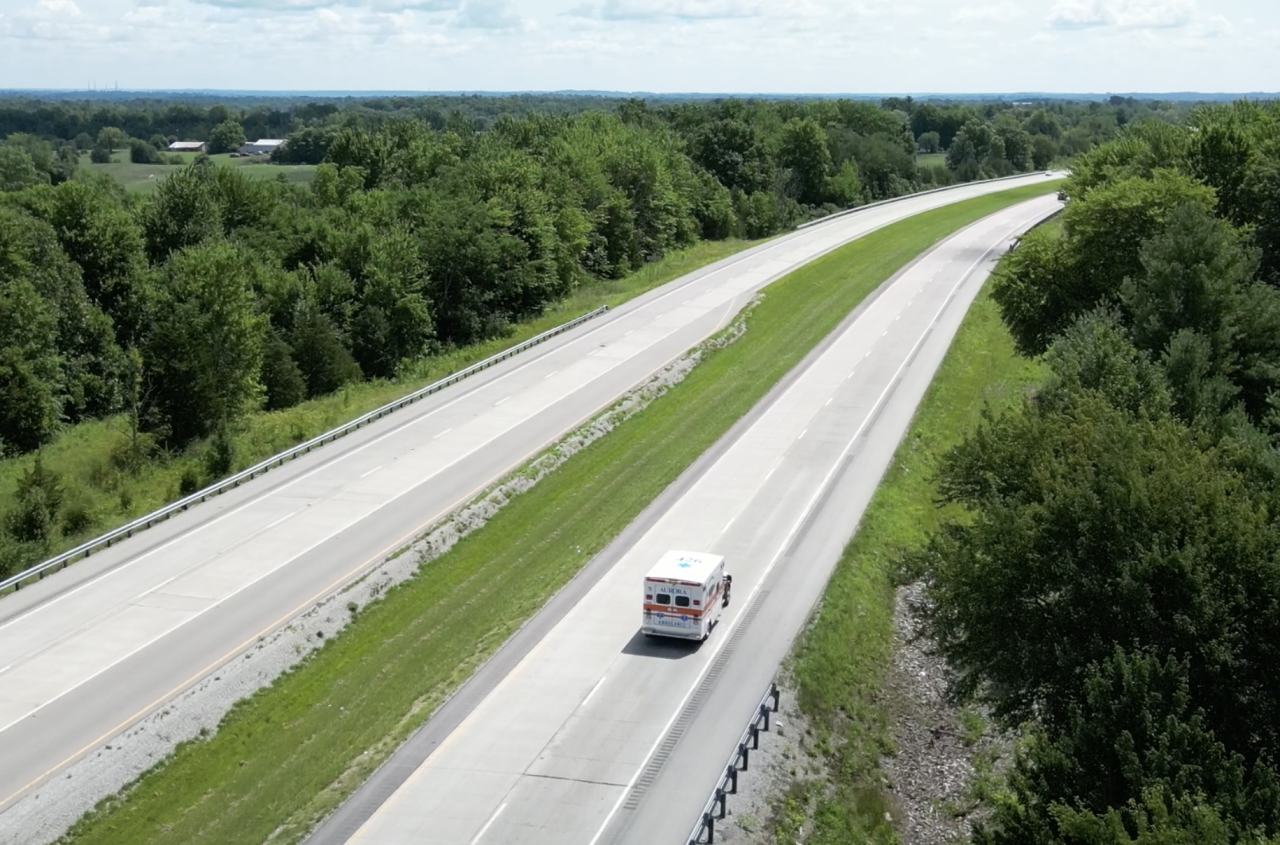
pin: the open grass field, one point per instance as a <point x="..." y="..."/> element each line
<point x="144" y="177"/>
<point x="840" y="662"/>
<point x="931" y="160"/>
<point x="285" y="757"/>
<point x="103" y="494"/>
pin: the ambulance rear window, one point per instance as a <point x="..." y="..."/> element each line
<point x="682" y="601"/>
<point x="663" y="598"/>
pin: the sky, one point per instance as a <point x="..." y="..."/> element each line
<point x="663" y="46"/>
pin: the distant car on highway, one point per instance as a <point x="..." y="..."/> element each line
<point x="684" y="595"/>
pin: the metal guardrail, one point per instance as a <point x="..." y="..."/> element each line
<point x="716" y="807"/>
<point x="142" y="523"/>
<point x="943" y="189"/>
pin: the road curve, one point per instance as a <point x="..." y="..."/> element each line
<point x="597" y="735"/>
<point x="92" y="649"/>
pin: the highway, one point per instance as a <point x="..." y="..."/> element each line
<point x="596" y="734"/>
<point x="92" y="649"/>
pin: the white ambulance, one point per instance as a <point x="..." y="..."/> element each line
<point x="684" y="595"/>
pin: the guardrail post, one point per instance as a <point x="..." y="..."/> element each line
<point x="731" y="775"/>
<point x="745" y="754"/>
<point x="755" y="737"/>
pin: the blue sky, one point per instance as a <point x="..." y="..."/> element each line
<point x="819" y="46"/>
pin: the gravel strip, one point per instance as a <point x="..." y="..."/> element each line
<point x="930" y="780"/>
<point x="782" y="759"/>
<point x="45" y="814"/>
<point x="932" y="775"/>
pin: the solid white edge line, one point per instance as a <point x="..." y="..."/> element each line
<point x="599" y="684"/>
<point x="489" y="823"/>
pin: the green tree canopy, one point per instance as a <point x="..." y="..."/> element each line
<point x="204" y="353"/>
<point x="226" y="137"/>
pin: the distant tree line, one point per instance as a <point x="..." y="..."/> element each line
<point x="1111" y="580"/>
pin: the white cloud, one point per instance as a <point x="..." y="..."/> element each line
<point x="489" y="14"/>
<point x="990" y="13"/>
<point x="1214" y="26"/>
<point x="47" y="9"/>
<point x="1129" y="14"/>
<point x="1079" y="13"/>
<point x="1155" y="14"/>
<point x="310" y="5"/>
<point x="639" y="10"/>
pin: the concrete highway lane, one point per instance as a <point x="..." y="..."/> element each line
<point x="599" y="735"/>
<point x="90" y="650"/>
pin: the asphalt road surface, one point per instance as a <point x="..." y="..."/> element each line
<point x="597" y="734"/>
<point x="92" y="649"/>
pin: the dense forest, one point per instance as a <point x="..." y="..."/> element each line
<point x="1111" y="581"/>
<point x="426" y="227"/>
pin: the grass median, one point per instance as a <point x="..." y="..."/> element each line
<point x="285" y="757"/>
<point x="840" y="663"/>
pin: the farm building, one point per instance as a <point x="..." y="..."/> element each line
<point x="262" y="146"/>
<point x="188" y="147"/>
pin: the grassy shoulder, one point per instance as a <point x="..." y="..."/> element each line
<point x="288" y="755"/>
<point x="840" y="663"/>
<point x="104" y="489"/>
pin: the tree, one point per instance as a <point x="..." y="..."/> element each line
<point x="101" y="155"/>
<point x="17" y="169"/>
<point x="1197" y="296"/>
<point x="1043" y="151"/>
<point x="1087" y="527"/>
<point x="1047" y="282"/>
<point x="1261" y="191"/>
<point x="309" y="145"/>
<point x="732" y="151"/>
<point x="1096" y="354"/>
<point x="111" y="138"/>
<point x="320" y="354"/>
<point x="281" y="379"/>
<point x="1016" y="142"/>
<point x="845" y="187"/>
<point x="226" y="137"/>
<point x="100" y="234"/>
<point x="29" y="406"/>
<point x="353" y="147"/>
<point x="804" y="151"/>
<point x="204" y="352"/>
<point x="757" y="213"/>
<point x="929" y="142"/>
<point x="140" y="152"/>
<point x="1136" y="754"/>
<point x="183" y="211"/>
<point x="978" y="151"/>
<point x="39" y="497"/>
